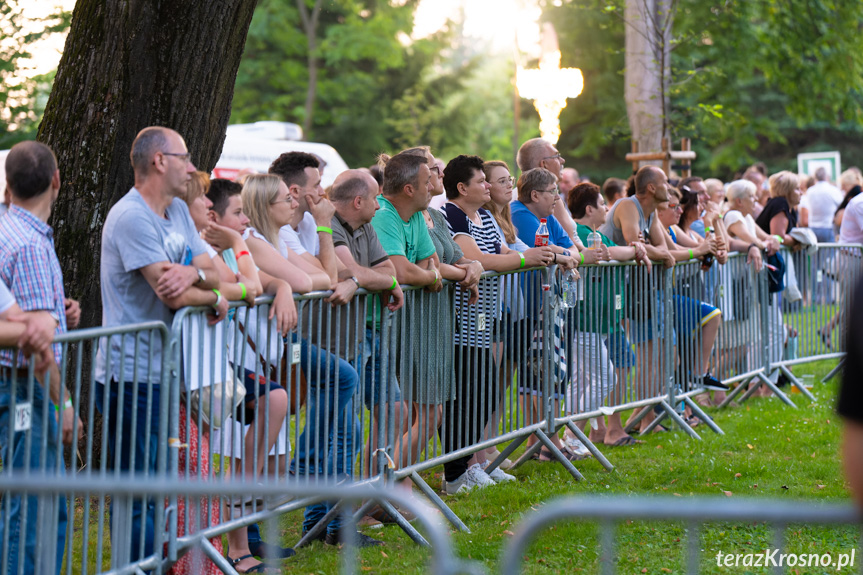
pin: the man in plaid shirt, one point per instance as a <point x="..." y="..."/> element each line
<point x="29" y="267"/>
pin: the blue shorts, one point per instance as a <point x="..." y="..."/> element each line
<point x="619" y="350"/>
<point x="691" y="314"/>
<point x="255" y="387"/>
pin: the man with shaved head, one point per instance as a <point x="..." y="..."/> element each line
<point x="630" y="221"/>
<point x="30" y="269"/>
<point x="153" y="263"/>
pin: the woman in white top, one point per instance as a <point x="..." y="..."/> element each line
<point x="742" y="229"/>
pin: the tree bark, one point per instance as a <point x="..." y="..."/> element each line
<point x="648" y="70"/>
<point x="127" y="65"/>
<point x="310" y="25"/>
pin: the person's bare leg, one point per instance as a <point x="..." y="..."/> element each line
<point x="401" y="425"/>
<point x="708" y="338"/>
<point x="254" y="455"/>
<point x="415" y="439"/>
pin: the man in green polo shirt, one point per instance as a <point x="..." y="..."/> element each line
<point x="401" y="227"/>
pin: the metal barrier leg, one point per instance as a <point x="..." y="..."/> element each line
<point x="217" y="558"/>
<point x="630" y="425"/>
<point x="699" y="413"/>
<point x="403" y="523"/>
<point x="764" y="380"/>
<point x="313" y="533"/>
<point x="121" y="547"/>
<point x="679" y="420"/>
<point x="558" y="455"/>
<point x="834" y="371"/>
<point x="513" y="445"/>
<point x="734" y="393"/>
<point x="582" y="437"/>
<point x="438" y="502"/>
<point x="796" y="383"/>
<point x="527" y="455"/>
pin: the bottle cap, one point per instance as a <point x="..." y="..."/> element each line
<point x="542" y="220"/>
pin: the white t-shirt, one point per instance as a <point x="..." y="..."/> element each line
<point x="851" y="231"/>
<point x="304" y="238"/>
<point x="7" y="300"/>
<point x="734" y="216"/>
<point x="822" y="200"/>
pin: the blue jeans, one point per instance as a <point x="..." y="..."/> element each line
<point x="144" y="449"/>
<point x="31" y="531"/>
<point x="332" y="382"/>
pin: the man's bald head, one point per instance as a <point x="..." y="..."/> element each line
<point x="351" y="184"/>
<point x="531" y="154"/>
<point x="646" y="176"/>
<point x="148" y="141"/>
<point x="30" y="169"/>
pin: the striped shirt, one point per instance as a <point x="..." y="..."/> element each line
<point x="29" y="267"/>
<point x="476" y="323"/>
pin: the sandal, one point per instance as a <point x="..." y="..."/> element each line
<point x="259" y="568"/>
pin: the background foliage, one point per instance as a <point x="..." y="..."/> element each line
<point x="750" y="81"/>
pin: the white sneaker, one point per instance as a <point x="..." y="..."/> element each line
<point x="461" y="485"/>
<point x="479" y="477"/>
<point x="498" y="475"/>
<point x="576" y="446"/>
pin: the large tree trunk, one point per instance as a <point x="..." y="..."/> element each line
<point x="648" y="71"/>
<point x="310" y="25"/>
<point x="128" y="65"/>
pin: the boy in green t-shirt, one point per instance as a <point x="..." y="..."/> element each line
<point x="605" y="353"/>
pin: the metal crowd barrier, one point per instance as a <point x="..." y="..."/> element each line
<point x="695" y="513"/>
<point x="365" y="396"/>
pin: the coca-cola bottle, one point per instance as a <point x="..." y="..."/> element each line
<point x="541" y="234"/>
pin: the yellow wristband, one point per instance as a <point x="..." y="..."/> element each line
<point x="242" y="287"/>
<point x="521" y="255"/>
<point x="325" y="229"/>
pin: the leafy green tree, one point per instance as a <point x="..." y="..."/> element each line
<point x="23" y="99"/>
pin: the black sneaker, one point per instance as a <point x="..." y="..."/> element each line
<point x="319" y="537"/>
<point x="360" y="539"/>
<point x="710" y="382"/>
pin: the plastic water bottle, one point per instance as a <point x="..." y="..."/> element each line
<point x="568" y="287"/>
<point x="541" y="234"/>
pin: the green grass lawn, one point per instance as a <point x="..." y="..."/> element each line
<point x="768" y="450"/>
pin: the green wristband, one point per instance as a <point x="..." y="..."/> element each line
<point x="66" y="406"/>
<point x="325" y="229"/>
<point x="691" y="254"/>
<point x="395" y="283"/>
<point x="779" y="239"/>
<point x="242" y="287"/>
<point x="582" y="257"/>
<point x="521" y="255"/>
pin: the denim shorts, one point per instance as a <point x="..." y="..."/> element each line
<point x="619" y="350"/>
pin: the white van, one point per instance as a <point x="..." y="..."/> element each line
<point x="256" y="145"/>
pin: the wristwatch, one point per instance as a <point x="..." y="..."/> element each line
<point x="356" y="281"/>
<point x="202" y="277"/>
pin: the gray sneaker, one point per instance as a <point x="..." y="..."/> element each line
<point x="461" y="485"/>
<point x="498" y="475"/>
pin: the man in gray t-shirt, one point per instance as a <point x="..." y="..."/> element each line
<point x="153" y="263"/>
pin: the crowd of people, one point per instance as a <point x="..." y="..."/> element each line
<point x="179" y="239"/>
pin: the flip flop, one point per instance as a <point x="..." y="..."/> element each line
<point x="259" y="568"/>
<point x="624" y="441"/>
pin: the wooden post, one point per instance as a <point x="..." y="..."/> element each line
<point x="686" y="146"/>
<point x="635" y="163"/>
<point x="666" y="160"/>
